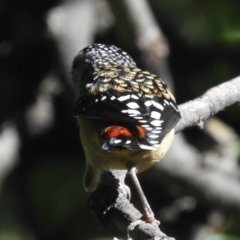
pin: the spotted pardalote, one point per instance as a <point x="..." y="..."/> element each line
<point x="126" y="115"/>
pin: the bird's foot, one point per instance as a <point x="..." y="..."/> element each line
<point x="144" y="218"/>
<point x="131" y="227"/>
<point x="149" y="218"/>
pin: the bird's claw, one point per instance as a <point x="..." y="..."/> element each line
<point x="150" y="219"/>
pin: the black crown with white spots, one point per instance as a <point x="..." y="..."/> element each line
<point x="118" y="92"/>
<point x="101" y="56"/>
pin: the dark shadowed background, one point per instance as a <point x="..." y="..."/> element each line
<point x="41" y="158"/>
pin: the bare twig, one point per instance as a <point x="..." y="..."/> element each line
<point x="66" y="24"/>
<point x="214" y="100"/>
<point x="9" y="149"/>
<point x="148" y="33"/>
<point x="73" y="25"/>
<point x="150" y="39"/>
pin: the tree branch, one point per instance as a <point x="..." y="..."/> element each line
<point x="150" y="39"/>
<point x="214" y="100"/>
<point x="110" y="203"/>
<point x="149" y="36"/>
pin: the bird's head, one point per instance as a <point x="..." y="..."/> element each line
<point x="97" y="57"/>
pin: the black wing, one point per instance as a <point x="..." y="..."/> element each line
<point x="156" y="115"/>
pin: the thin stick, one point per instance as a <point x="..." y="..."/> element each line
<point x="132" y="173"/>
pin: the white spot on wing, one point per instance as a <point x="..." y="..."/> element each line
<point x="128" y="141"/>
<point x="112" y="98"/>
<point x="148" y="103"/>
<point x="146" y="147"/>
<point x="156" y="123"/>
<point x="142" y="121"/>
<point x="167" y="102"/>
<point x="103" y="98"/>
<point x="133" y="105"/>
<point x="153" y="136"/>
<point x="96" y="100"/>
<point x="134" y="96"/>
<point x="145" y="125"/>
<point x="155" y="115"/>
<point x="157" y="105"/>
<point x="173" y="106"/>
<point x="153" y="142"/>
<point x="132" y="111"/>
<point x="117" y="141"/>
<point x="124" y="98"/>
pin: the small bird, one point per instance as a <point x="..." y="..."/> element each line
<point x="126" y="116"/>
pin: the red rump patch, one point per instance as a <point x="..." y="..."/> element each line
<point x="115" y="131"/>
